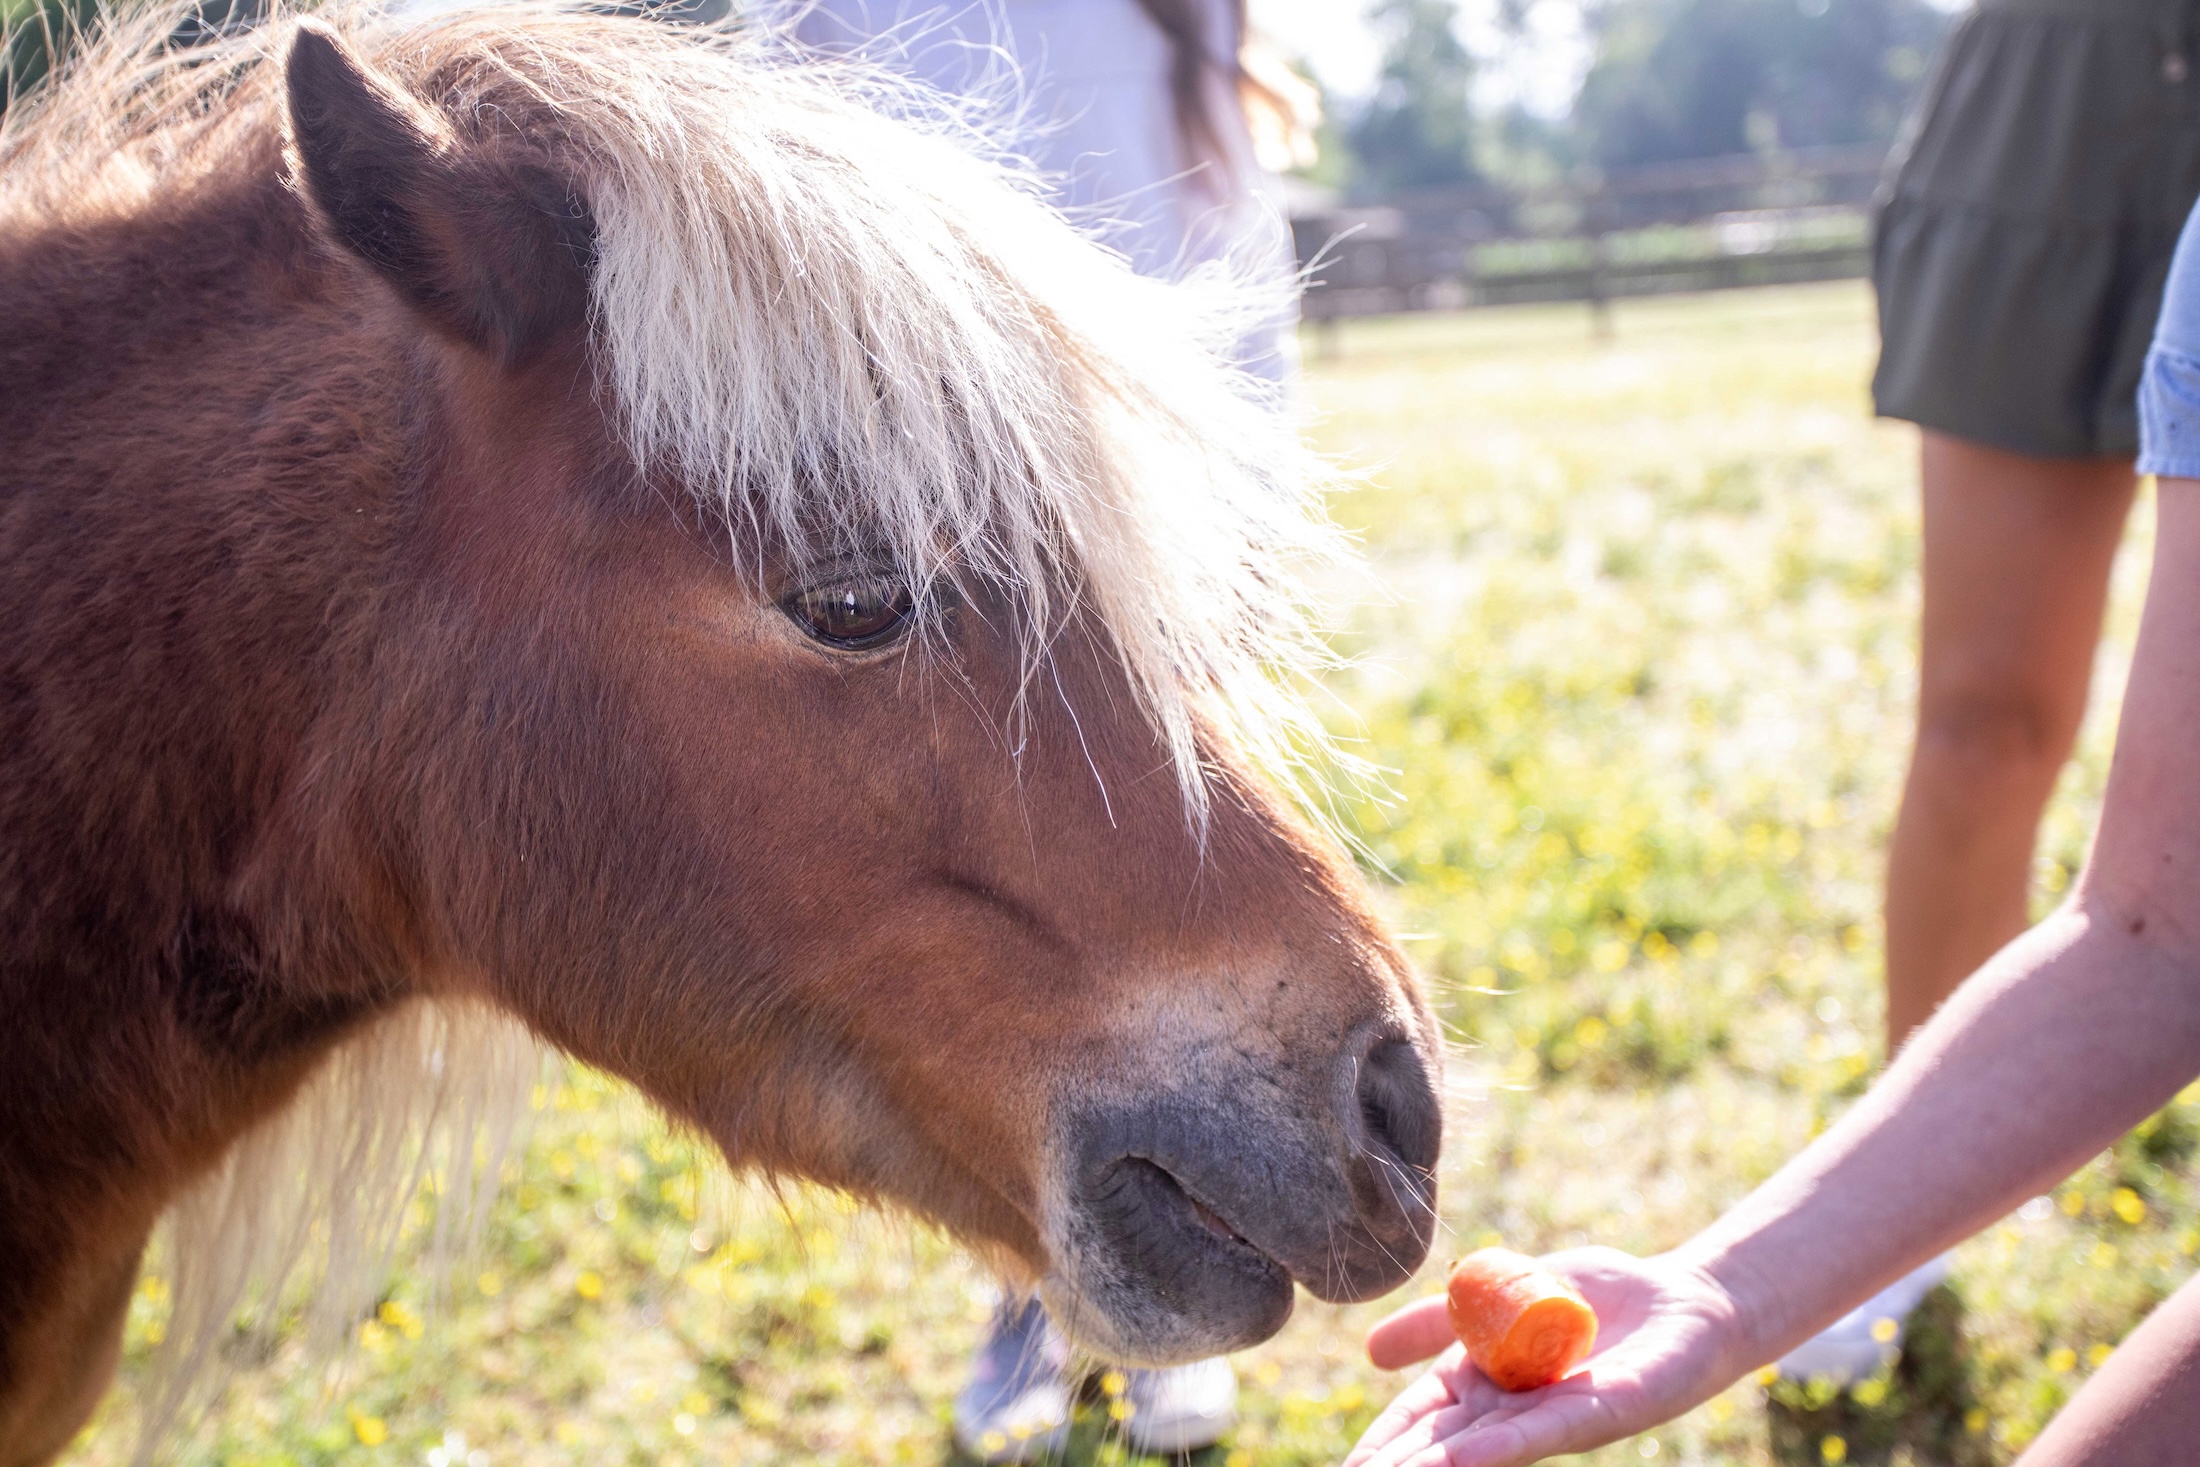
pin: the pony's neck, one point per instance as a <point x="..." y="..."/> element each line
<point x="193" y="507"/>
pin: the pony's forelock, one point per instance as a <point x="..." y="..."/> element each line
<point x="853" y="334"/>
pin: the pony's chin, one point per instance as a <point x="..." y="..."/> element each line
<point x="1154" y="1276"/>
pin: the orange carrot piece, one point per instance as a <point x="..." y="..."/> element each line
<point x="1523" y="1326"/>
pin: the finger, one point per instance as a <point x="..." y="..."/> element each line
<point x="1555" y="1426"/>
<point x="1414" y="1333"/>
<point x="1417" y="1402"/>
<point x="1494" y="1443"/>
<point x="1429" y="1432"/>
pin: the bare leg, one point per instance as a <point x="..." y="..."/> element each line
<point x="2143" y="1409"/>
<point x="2017" y="558"/>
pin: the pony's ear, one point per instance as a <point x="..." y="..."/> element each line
<point x="493" y="251"/>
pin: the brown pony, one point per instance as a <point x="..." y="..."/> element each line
<point x="531" y="512"/>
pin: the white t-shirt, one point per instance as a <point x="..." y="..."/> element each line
<point x="1084" y="87"/>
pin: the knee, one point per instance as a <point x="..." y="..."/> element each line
<point x="2001" y="737"/>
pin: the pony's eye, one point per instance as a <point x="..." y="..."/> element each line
<point x="864" y="611"/>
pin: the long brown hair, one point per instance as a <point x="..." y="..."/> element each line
<point x="1205" y="138"/>
<point x="1277" y="104"/>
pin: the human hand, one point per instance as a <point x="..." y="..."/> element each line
<point x="1667" y="1338"/>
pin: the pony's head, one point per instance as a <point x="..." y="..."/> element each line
<point x="819" y="646"/>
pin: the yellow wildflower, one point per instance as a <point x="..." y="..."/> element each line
<point x="372" y="1431"/>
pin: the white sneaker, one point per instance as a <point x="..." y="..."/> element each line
<point x="1866" y="1338"/>
<point x="1180" y="1409"/>
<point x="1016" y="1405"/>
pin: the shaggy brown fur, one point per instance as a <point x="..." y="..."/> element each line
<point x="354" y="663"/>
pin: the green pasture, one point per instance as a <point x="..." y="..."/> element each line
<point x="1636" y="649"/>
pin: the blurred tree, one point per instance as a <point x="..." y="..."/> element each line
<point x="32" y="32"/>
<point x="35" y="34"/>
<point x="1417" y="130"/>
<point x="1698" y="78"/>
<point x="1333" y="167"/>
<point x="1514" y="146"/>
<point x="1517" y="148"/>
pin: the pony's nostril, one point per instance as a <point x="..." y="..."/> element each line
<point x="1398" y="1110"/>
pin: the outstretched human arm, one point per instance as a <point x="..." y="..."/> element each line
<point x="2067" y="1038"/>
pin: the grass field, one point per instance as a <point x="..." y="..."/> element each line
<point x="1638" y="651"/>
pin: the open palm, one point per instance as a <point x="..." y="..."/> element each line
<point x="1666" y="1336"/>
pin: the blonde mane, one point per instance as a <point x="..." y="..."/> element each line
<point x="849" y="327"/>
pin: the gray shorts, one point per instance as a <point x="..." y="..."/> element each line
<point x="2027" y="221"/>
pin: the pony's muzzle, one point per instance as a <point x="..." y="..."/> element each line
<point x="1389" y="1111"/>
<point x="1188" y="1214"/>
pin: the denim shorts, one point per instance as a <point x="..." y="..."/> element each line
<point x="2169" y="391"/>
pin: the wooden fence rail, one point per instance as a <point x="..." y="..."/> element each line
<point x="1707" y="224"/>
